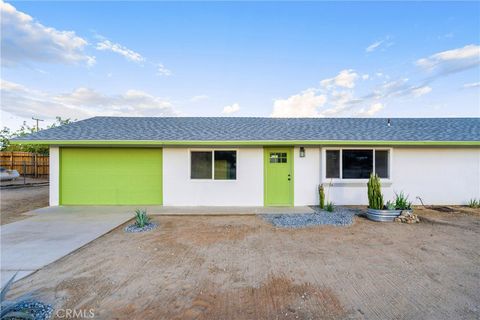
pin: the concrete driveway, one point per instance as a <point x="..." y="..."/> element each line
<point x="52" y="233"/>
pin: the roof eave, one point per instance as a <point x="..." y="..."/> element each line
<point x="244" y="142"/>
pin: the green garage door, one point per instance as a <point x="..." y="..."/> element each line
<point x="110" y="176"/>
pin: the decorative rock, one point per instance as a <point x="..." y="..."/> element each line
<point x="38" y="310"/>
<point x="340" y="217"/>
<point x="407" y="216"/>
<point x="133" y="228"/>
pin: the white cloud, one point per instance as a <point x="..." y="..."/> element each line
<point x="231" y="109"/>
<point x="374" y="46"/>
<point x="304" y="104"/>
<point x="380" y="44"/>
<point x="472" y="85"/>
<point x="420" y="91"/>
<point x="80" y="103"/>
<point x="365" y="76"/>
<point x="25" y="40"/>
<point x="345" y="79"/>
<point x="374" y="108"/>
<point x="162" y="71"/>
<point x="451" y="61"/>
<point x="198" y="98"/>
<point x="107" y="45"/>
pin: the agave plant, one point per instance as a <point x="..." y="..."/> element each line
<point x="474" y="203"/>
<point x="330" y="207"/>
<point x="141" y="218"/>
<point x="19" y="308"/>
<point x="401" y="202"/>
<point x="390" y="205"/>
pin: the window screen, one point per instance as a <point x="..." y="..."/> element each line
<point x="333" y="163"/>
<point x="225" y="165"/>
<point x="381" y="163"/>
<point x="201" y="165"/>
<point x="357" y="164"/>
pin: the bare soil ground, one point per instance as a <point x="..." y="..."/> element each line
<point x="240" y="267"/>
<point x="14" y="202"/>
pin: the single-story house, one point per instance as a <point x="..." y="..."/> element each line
<point x="213" y="161"/>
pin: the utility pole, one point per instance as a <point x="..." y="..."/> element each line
<point x="36" y="119"/>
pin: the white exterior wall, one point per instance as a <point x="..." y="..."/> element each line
<point x="180" y="190"/>
<point x="437" y="175"/>
<point x="306" y="176"/>
<point x="54" y="176"/>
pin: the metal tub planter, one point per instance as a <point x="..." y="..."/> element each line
<point x="382" y="215"/>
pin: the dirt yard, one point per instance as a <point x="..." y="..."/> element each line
<point x="15" y="202"/>
<point x="240" y="267"/>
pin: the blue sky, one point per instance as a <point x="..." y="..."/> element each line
<point x="314" y="59"/>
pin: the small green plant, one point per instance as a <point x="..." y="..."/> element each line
<point x="330" y="207"/>
<point x="401" y="202"/>
<point x="474" y="203"/>
<point x="390" y="205"/>
<point x="141" y="218"/>
<point x="375" y="197"/>
<point x="321" y="191"/>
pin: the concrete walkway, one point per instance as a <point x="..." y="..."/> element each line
<point x="50" y="234"/>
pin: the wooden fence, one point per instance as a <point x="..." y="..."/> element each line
<point x="31" y="164"/>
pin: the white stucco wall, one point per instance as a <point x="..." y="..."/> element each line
<point x="180" y="190"/>
<point x="437" y="175"/>
<point x="306" y="176"/>
<point x="54" y="176"/>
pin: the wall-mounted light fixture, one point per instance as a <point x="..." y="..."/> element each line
<point x="302" y="152"/>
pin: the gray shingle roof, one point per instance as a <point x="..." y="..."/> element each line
<point x="235" y="129"/>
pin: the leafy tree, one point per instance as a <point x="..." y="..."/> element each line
<point x="6" y="134"/>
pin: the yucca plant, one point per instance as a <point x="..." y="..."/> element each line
<point x="401" y="202"/>
<point x="375" y="197"/>
<point x="321" y="191"/>
<point x="141" y="218"/>
<point x="330" y="207"/>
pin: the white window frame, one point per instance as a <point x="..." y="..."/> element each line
<point x="353" y="181"/>
<point x="213" y="164"/>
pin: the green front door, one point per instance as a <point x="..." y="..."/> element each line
<point x="110" y="176"/>
<point x="278" y="176"/>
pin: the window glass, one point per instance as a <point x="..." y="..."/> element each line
<point x="357" y="164"/>
<point x="278" y="157"/>
<point x="381" y="163"/>
<point x="333" y="163"/>
<point x="201" y="165"/>
<point x="225" y="165"/>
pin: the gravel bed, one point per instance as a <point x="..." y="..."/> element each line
<point x="134" y="229"/>
<point x="38" y="310"/>
<point x="340" y="217"/>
